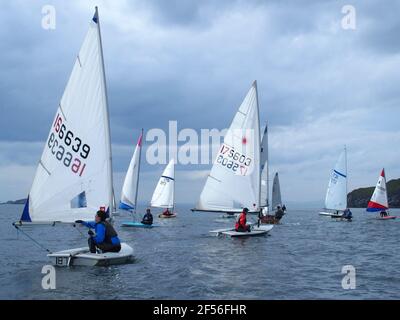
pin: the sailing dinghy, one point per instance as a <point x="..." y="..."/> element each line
<point x="336" y="195"/>
<point x="130" y="188"/>
<point x="276" y="201"/>
<point x="163" y="196"/>
<point x="74" y="175"/>
<point x="235" y="178"/>
<point x="379" y="200"/>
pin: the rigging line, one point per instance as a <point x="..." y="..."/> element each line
<point x="77" y="229"/>
<point x="29" y="237"/>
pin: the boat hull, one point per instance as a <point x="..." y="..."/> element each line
<point x="386" y="218"/>
<point x="255" y="231"/>
<point x="82" y="257"/>
<point x="131" y="224"/>
<point x="162" y="216"/>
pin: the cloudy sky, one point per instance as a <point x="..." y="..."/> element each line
<point x="320" y="86"/>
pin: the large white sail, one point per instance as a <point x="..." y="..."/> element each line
<point x="74" y="177"/>
<point x="131" y="183"/>
<point x="379" y="199"/>
<point x="336" y="195"/>
<point x="234" y="180"/>
<point x="264" y="170"/>
<point x="163" y="196"/>
<point x="276" y="193"/>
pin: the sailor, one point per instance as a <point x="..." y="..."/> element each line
<point x="106" y="238"/>
<point x="347" y="214"/>
<point x="383" y="213"/>
<point x="241" y="225"/>
<point x="167" y="212"/>
<point x="283" y="208"/>
<point x="279" y="213"/>
<point x="148" y="217"/>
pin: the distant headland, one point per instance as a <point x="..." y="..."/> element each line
<point x="20" y="201"/>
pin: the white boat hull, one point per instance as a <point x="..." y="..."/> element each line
<point x="255" y="230"/>
<point x="83" y="257"/>
<point x="330" y="214"/>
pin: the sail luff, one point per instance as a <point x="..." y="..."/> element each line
<point x="107" y="113"/>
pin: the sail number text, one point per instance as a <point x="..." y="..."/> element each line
<point x="233" y="160"/>
<point x="62" y="139"/>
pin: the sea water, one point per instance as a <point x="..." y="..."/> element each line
<point x="302" y="258"/>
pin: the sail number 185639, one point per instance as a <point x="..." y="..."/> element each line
<point x="68" y="148"/>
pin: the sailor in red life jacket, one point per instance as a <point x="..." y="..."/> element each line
<point x="241" y="225"/>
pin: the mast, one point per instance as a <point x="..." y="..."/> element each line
<point x="266" y="128"/>
<point x="107" y="120"/>
<point x="257" y="134"/>
<point x="137" y="180"/>
<point x="173" y="198"/>
<point x="347" y="175"/>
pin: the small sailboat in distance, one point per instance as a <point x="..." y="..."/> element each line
<point x="164" y="193"/>
<point x="235" y="178"/>
<point x="276" y="202"/>
<point x="130" y="188"/>
<point x="74" y="179"/>
<point x="379" y="200"/>
<point x="336" y="195"/>
<point x="276" y="193"/>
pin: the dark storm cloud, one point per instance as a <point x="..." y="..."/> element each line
<point x="193" y="61"/>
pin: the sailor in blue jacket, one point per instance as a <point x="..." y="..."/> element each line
<point x="105" y="237"/>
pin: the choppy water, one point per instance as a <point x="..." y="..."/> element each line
<point x="301" y="259"/>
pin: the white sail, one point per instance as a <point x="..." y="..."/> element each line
<point x="131" y="183"/>
<point x="234" y="180"/>
<point x="276" y="192"/>
<point x="264" y="170"/>
<point x="163" y="196"/>
<point x="74" y="178"/>
<point x="379" y="199"/>
<point x="336" y="195"/>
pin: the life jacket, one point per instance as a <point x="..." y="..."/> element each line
<point x="110" y="232"/>
<point x="241" y="221"/>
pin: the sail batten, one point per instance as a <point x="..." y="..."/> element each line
<point x="74" y="177"/>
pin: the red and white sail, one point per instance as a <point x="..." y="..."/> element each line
<point x="379" y="199"/>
